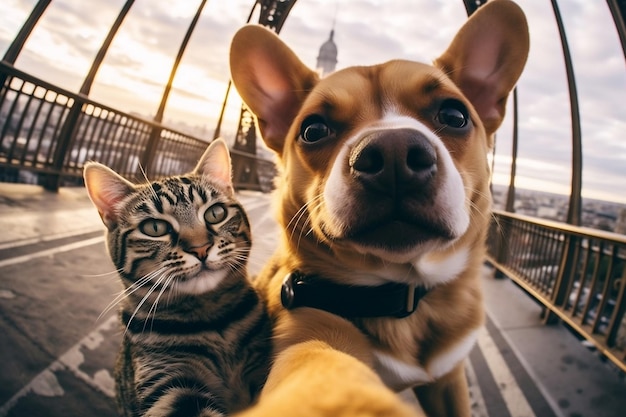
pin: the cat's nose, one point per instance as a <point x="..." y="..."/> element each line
<point x="200" y="252"/>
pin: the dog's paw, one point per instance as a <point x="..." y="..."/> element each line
<point x="316" y="404"/>
<point x="313" y="379"/>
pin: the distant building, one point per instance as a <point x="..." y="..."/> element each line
<point x="327" y="58"/>
<point x="548" y="212"/>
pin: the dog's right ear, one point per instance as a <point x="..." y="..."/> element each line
<point x="270" y="79"/>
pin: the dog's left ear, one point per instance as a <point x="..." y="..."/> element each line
<point x="487" y="56"/>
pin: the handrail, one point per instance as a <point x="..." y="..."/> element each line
<point x="566" y="227"/>
<point x="38" y="141"/>
<point x="578" y="274"/>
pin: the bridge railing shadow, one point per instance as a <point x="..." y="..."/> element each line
<point x="578" y="274"/>
<point x="48" y="133"/>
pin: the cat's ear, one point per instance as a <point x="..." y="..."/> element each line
<point x="106" y="189"/>
<point x="216" y="166"/>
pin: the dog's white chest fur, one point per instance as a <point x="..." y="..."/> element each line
<point x="399" y="375"/>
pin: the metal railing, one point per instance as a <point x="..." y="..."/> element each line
<point x="578" y="274"/>
<point x="39" y="141"/>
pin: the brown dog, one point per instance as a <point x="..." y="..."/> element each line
<point x="384" y="201"/>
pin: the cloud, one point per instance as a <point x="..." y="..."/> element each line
<point x="544" y="106"/>
<point x="370" y="32"/>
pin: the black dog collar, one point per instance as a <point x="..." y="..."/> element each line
<point x="387" y="300"/>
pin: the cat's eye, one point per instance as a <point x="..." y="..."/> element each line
<point x="155" y="227"/>
<point x="215" y="214"/>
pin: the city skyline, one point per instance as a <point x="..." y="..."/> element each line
<point x="135" y="71"/>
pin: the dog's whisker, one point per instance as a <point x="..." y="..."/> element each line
<point x="296" y="218"/>
<point x="302" y="214"/>
<point x="307" y="222"/>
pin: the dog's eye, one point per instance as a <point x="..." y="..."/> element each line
<point x="313" y="129"/>
<point x="453" y="113"/>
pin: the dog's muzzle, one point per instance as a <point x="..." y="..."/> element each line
<point x="392" y="162"/>
<point x="394" y="184"/>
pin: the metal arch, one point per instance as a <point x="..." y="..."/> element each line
<point x="18" y="43"/>
<point x="20" y="39"/>
<point x="273" y="14"/>
<point x="95" y="66"/>
<point x="69" y="128"/>
<point x="156" y="131"/>
<point x="575" y="200"/>
<point x="472" y="5"/>
<point x="618" y="11"/>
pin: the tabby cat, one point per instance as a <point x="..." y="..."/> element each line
<point x="196" y="335"/>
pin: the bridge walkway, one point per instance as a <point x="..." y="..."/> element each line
<point x="57" y="347"/>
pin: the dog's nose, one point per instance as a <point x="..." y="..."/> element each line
<point x="387" y="160"/>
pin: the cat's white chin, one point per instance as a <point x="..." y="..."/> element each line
<point x="204" y="281"/>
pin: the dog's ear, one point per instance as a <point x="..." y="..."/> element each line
<point x="486" y="58"/>
<point x="271" y="80"/>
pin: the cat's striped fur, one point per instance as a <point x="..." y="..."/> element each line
<point x="196" y="335"/>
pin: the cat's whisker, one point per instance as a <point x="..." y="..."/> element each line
<point x="113" y="273"/>
<point x="237" y="265"/>
<point x="128" y="291"/>
<point x="144" y="299"/>
<point x="143" y="174"/>
<point x="123" y="294"/>
<point x="153" y="308"/>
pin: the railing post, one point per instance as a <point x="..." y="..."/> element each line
<point x="147" y="159"/>
<point x="218" y="128"/>
<point x="567" y="267"/>
<point x="503" y="237"/>
<point x="52" y="181"/>
<point x="619" y="311"/>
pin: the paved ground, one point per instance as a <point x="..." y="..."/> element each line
<point x="59" y="339"/>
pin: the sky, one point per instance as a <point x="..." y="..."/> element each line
<point x="136" y="68"/>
